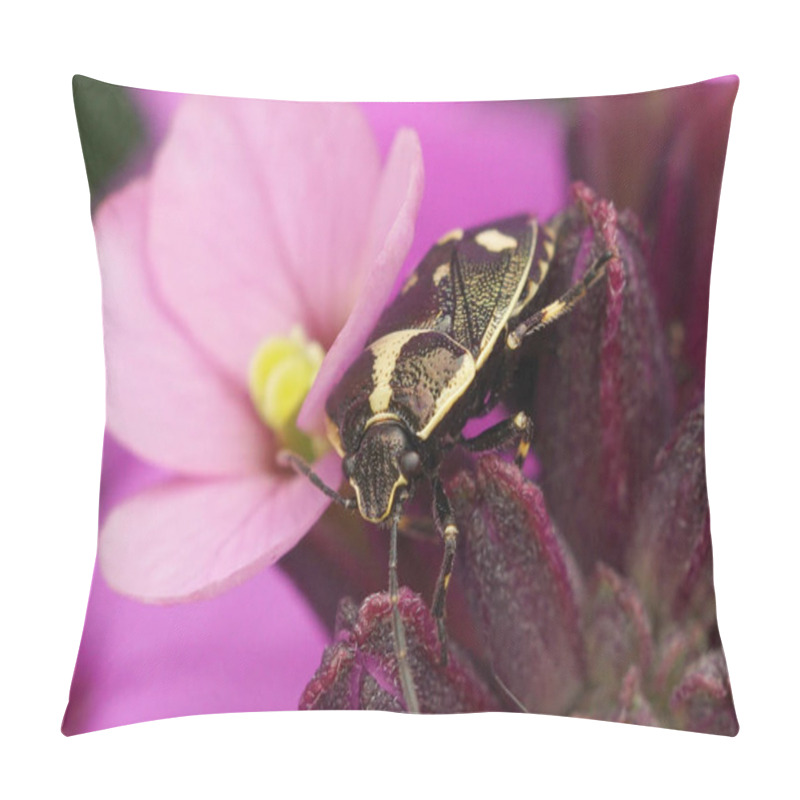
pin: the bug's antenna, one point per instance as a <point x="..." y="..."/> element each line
<point x="297" y="463"/>
<point x="508" y="693"/>
<point x="398" y="629"/>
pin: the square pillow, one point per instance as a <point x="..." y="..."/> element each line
<point x="404" y="407"/>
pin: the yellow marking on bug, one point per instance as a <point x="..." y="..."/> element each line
<point x="412" y="281"/>
<point x="441" y="272"/>
<point x="551" y="311"/>
<point x="383" y="416"/>
<point x="401" y="481"/>
<point x="521" y="420"/>
<point x="549" y="243"/>
<point x="386" y="351"/>
<point x="533" y="287"/>
<point x="380" y="397"/>
<point x="513" y="341"/>
<point x="495" y="241"/>
<point x="454" y="235"/>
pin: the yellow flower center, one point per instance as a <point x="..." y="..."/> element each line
<point x="281" y="373"/>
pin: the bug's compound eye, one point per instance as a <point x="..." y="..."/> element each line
<point x="348" y="464"/>
<point x="410" y="464"/>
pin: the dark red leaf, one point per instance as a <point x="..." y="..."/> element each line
<point x="359" y="670"/>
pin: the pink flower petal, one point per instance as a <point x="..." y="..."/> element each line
<point x="389" y="239"/>
<point x="166" y="400"/>
<point x="258" y="216"/>
<point x="187" y="539"/>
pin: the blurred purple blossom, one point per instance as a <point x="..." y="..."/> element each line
<point x="662" y="154"/>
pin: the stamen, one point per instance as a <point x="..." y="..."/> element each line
<point x="282" y="370"/>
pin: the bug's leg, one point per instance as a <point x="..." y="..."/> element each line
<point x="297" y="463"/>
<point x="446" y="523"/>
<point x="398" y="629"/>
<point x="518" y="428"/>
<point x="550" y="313"/>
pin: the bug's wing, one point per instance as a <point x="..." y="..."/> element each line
<point x="420" y="379"/>
<point x="413" y="376"/>
<point x="467" y="285"/>
<point x="489" y="273"/>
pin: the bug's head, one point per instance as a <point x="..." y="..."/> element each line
<point x="385" y="462"/>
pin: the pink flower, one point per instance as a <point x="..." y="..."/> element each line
<point x="256" y="217"/>
<point x="140" y="661"/>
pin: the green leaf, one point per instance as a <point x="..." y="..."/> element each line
<point x="110" y="130"/>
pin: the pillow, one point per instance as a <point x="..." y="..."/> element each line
<point x="491" y="317"/>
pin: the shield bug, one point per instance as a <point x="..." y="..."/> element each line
<point x="439" y="356"/>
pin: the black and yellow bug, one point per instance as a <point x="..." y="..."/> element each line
<point x="439" y="356"/>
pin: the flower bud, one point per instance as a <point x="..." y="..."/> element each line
<point x="522" y="584"/>
<point x="702" y="701"/>
<point x="603" y="398"/>
<point x="670" y="556"/>
<point x="617" y="630"/>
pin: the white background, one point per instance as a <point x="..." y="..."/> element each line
<point x="51" y="386"/>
